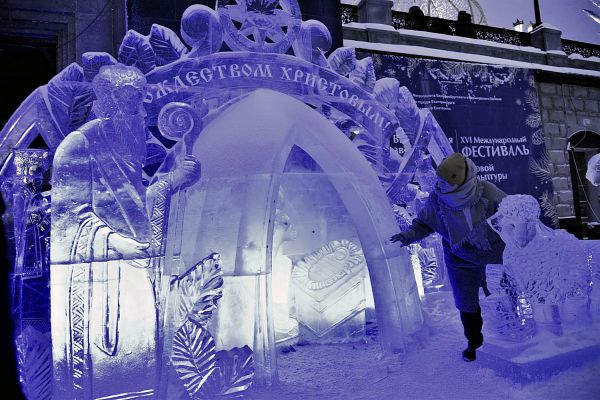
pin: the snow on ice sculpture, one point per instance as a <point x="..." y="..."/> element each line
<point x="330" y="293"/>
<point x="546" y="275"/>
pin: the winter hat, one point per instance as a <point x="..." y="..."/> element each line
<point x="453" y="169"/>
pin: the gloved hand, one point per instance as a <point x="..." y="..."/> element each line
<point x="397" y="238"/>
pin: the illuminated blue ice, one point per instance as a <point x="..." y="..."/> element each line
<point x="173" y="265"/>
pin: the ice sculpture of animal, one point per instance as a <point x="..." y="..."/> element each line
<point x="546" y="272"/>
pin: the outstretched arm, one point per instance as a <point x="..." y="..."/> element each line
<point x="422" y="226"/>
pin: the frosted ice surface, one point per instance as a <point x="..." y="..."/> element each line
<point x="330" y="294"/>
<point x="547" y="275"/>
<point x="106" y="246"/>
<point x="132" y="215"/>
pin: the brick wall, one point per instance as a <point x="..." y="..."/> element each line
<point x="566" y="109"/>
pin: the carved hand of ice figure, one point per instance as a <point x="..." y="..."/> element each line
<point x="127" y="248"/>
<point x="187" y="174"/>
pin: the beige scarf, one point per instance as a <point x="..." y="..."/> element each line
<point x="464" y="216"/>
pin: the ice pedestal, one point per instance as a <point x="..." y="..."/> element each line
<point x="542" y="356"/>
<point x="542" y="303"/>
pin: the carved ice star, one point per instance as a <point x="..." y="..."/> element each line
<point x="265" y="20"/>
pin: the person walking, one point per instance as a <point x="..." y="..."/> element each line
<point x="458" y="210"/>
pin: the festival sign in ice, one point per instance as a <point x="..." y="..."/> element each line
<point x="176" y="172"/>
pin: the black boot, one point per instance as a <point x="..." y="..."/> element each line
<point x="469" y="354"/>
<point x="472" y="324"/>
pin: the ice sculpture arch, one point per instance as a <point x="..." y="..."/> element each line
<point x="231" y="209"/>
<point x="232" y="148"/>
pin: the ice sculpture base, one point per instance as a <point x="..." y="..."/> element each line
<point x="351" y="330"/>
<point x="542" y="356"/>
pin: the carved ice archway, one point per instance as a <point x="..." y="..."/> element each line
<point x="377" y="108"/>
<point x="243" y="161"/>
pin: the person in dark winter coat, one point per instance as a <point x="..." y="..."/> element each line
<point x="458" y="210"/>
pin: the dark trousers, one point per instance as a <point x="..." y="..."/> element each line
<point x="472" y="324"/>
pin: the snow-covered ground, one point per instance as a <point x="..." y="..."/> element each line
<point x="434" y="370"/>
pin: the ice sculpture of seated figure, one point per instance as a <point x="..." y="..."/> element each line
<point x="549" y="268"/>
<point x="103" y="247"/>
<point x="285" y="326"/>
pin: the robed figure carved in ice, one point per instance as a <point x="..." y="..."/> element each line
<point x="106" y="246"/>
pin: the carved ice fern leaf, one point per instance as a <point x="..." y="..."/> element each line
<point x="93" y="61"/>
<point x="232" y="377"/>
<point x="166" y="45"/>
<point x="407" y="112"/>
<point x="204" y="373"/>
<point x="34" y="357"/>
<point x="429" y="264"/>
<point x="364" y="74"/>
<point x="135" y="50"/>
<point x="386" y="91"/>
<point x="343" y="60"/>
<point x="193" y="357"/>
<point x="235" y="370"/>
<point x="201" y="288"/>
<point x="70" y="103"/>
<point x="72" y="73"/>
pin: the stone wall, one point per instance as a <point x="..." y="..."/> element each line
<point x="565" y="109"/>
<point x="76" y="26"/>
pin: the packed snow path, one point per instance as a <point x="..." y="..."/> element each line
<point x="435" y="371"/>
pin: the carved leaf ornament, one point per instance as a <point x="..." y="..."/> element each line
<point x="193" y="356"/>
<point x="34" y="357"/>
<point x="206" y="374"/>
<point x="201" y="289"/>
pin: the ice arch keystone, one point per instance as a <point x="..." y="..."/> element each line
<point x="243" y="151"/>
